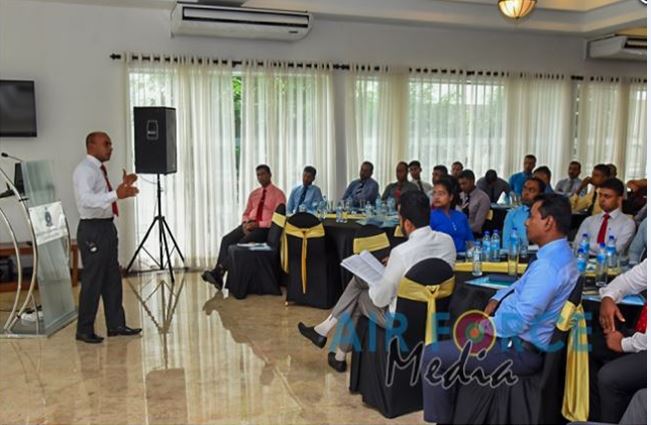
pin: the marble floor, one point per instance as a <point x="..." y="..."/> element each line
<point x="201" y="359"/>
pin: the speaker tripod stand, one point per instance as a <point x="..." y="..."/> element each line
<point x="163" y="233"/>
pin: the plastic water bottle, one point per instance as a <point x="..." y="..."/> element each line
<point x="600" y="271"/>
<point x="391" y="205"/>
<point x="582" y="261"/>
<point x="301" y="208"/>
<point x="514" y="252"/>
<point x="612" y="259"/>
<point x="369" y="210"/>
<point x="340" y="213"/>
<point x="349" y="205"/>
<point x="495" y="246"/>
<point x="486" y="246"/>
<point x="585" y="243"/>
<point x="524" y="249"/>
<point x="476" y="260"/>
<point x="378" y="205"/>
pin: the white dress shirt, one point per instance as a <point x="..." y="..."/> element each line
<point x="630" y="283"/>
<point x="423" y="243"/>
<point x="619" y="225"/>
<point x="91" y="191"/>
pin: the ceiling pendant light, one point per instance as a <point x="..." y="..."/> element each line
<point x="516" y="9"/>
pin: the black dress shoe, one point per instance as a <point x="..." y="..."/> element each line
<point x="309" y="333"/>
<point x="215" y="279"/>
<point x="124" y="330"/>
<point x="89" y="338"/>
<point x="339" y="366"/>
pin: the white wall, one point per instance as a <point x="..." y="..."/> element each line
<point x="65" y="48"/>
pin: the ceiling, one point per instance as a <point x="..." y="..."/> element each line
<point x="588" y="18"/>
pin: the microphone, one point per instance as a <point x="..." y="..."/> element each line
<point x="6" y="155"/>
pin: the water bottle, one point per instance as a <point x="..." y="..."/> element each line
<point x="369" y="210"/>
<point x="378" y="205"/>
<point x="301" y="208"/>
<point x="495" y="246"/>
<point x="600" y="270"/>
<point x="514" y="252"/>
<point x="349" y="205"/>
<point x="486" y="246"/>
<point x="340" y="213"/>
<point x="524" y="249"/>
<point x="391" y="205"/>
<point x="476" y="260"/>
<point x="585" y="243"/>
<point x="582" y="261"/>
<point x="612" y="259"/>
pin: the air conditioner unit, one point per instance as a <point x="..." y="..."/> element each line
<point x="238" y="22"/>
<point x="620" y="47"/>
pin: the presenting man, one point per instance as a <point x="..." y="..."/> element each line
<point x="414" y="171"/>
<point x="305" y="194"/>
<point x="358" y="299"/>
<point x="516" y="181"/>
<point x="525" y="313"/>
<point x="98" y="240"/>
<point x="611" y="221"/>
<point x="256" y="222"/>
<point x="363" y="189"/>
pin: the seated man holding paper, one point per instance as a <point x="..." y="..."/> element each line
<point x="373" y="290"/>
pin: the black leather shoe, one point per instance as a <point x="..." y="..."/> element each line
<point x="89" y="338"/>
<point x="309" y="333"/>
<point x="215" y="279"/>
<point x="339" y="366"/>
<point x="124" y="330"/>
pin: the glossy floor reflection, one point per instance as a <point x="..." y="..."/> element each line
<point x="201" y="359"/>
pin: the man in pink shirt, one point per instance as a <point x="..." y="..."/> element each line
<point x="256" y="222"/>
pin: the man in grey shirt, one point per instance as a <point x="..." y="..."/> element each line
<point x="394" y="190"/>
<point x="362" y="189"/>
<point x="572" y="183"/>
<point x="474" y="203"/>
<point x="493" y="186"/>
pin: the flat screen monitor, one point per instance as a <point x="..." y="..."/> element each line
<point x="17" y="109"/>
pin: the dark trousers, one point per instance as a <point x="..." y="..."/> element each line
<point x="235" y="237"/>
<point x="438" y="402"/>
<point x="618" y="381"/>
<point x="98" y="244"/>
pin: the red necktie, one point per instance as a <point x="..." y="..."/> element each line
<point x="258" y="214"/>
<point x="601" y="237"/>
<point x="397" y="194"/>
<point x="114" y="205"/>
<point x="640" y="326"/>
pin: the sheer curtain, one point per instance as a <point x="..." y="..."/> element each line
<point x="375" y="121"/>
<point x="601" y="126"/>
<point x="457" y="117"/>
<point x="636" y="141"/>
<point x="287" y="123"/>
<point x="540" y="122"/>
<point x="199" y="201"/>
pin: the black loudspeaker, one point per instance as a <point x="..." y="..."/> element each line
<point x="155" y="139"/>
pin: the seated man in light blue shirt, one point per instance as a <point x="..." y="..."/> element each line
<point x="517" y="217"/>
<point x="545" y="174"/>
<point x="306" y="194"/>
<point x="525" y="313"/>
<point x="516" y="181"/>
<point x="638" y="246"/>
<point x="364" y="188"/>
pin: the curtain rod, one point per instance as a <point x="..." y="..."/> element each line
<point x="348" y="67"/>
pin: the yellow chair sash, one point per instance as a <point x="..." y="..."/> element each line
<point x="398" y="232"/>
<point x="371" y="243"/>
<point x="488" y="267"/>
<point x="280" y="220"/>
<point x="414" y="291"/>
<point x="576" y="400"/>
<point x="305" y="234"/>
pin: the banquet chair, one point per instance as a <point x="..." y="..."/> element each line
<point x="372" y="239"/>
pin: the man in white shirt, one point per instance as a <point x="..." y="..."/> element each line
<point x="610" y="222"/>
<point x="375" y="300"/>
<point x="98" y="240"/>
<point x="414" y="171"/>
<point x="619" y="379"/>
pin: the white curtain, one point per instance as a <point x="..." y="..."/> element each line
<point x="375" y="121"/>
<point x="540" y="122"/>
<point x="287" y="123"/>
<point x="601" y="123"/>
<point x="457" y="117"/>
<point x="635" y="166"/>
<point x="199" y="200"/>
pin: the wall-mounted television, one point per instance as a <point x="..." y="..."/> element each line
<point x="17" y="109"/>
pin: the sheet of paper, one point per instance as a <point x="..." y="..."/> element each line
<point x="365" y="266"/>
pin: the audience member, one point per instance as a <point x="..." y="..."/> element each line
<point x="613" y="170"/>
<point x="570" y="185"/>
<point x="517" y="217"/>
<point x="438" y="172"/>
<point x="637" y="250"/>
<point x="445" y="218"/>
<point x="610" y="222"/>
<point x="256" y="221"/>
<point x="305" y="194"/>
<point x="475" y="204"/>
<point x="415" y="170"/>
<point x="545" y="174"/>
<point x="516" y="181"/>
<point x="493" y="186"/>
<point x="457" y="168"/>
<point x="588" y="202"/>
<point x="363" y="189"/>
<point x="394" y="190"/>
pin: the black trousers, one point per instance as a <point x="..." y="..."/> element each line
<point x="98" y="244"/>
<point x="619" y="380"/>
<point x="235" y="237"/>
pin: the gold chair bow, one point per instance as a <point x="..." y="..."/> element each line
<point x="488" y="267"/>
<point x="371" y="243"/>
<point x="305" y="234"/>
<point x="414" y="291"/>
<point x="280" y="220"/>
<point x="576" y="399"/>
